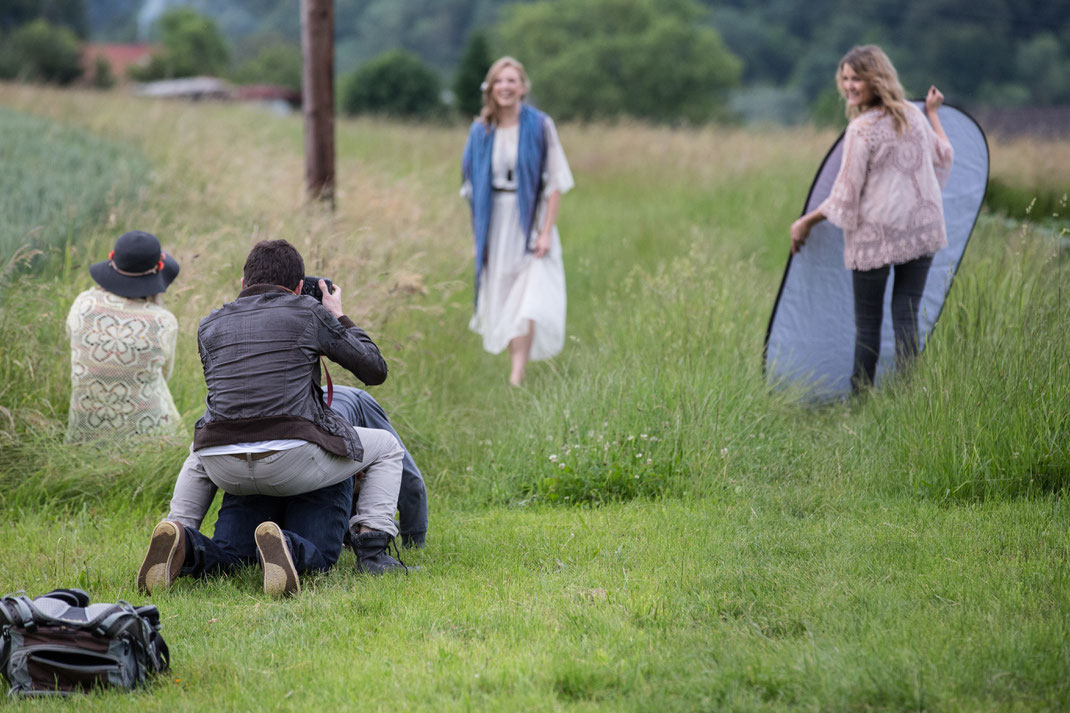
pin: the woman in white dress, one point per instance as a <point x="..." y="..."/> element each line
<point x="515" y="172"/>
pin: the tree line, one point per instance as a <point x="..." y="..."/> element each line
<point x="659" y="60"/>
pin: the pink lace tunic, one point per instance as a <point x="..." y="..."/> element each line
<point x="886" y="197"/>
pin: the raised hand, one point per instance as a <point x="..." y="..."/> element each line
<point x="933" y="100"/>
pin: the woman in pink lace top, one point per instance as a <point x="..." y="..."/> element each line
<point x="887" y="201"/>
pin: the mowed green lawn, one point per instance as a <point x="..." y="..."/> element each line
<point x="696" y="542"/>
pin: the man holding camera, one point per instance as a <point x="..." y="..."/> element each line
<point x="285" y="460"/>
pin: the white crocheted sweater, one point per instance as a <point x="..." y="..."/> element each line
<point x="122" y="353"/>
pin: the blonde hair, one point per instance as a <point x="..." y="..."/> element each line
<point x="489" y="113"/>
<point x="871" y="64"/>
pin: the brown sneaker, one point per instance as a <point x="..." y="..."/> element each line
<point x="164" y="560"/>
<point x="280" y="574"/>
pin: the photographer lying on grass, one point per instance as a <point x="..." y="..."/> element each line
<point x="270" y="443"/>
<point x="194" y="490"/>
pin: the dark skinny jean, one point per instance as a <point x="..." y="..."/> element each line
<point x="360" y="409"/>
<point x="907" y="288"/>
<point x="313" y="525"/>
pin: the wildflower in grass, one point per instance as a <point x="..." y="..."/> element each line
<point x="561" y="466"/>
<point x="638" y="455"/>
<point x="724" y="452"/>
<point x="553" y="457"/>
<point x="643" y="436"/>
<point x="631" y="438"/>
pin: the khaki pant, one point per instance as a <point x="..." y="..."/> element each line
<point x="300" y="470"/>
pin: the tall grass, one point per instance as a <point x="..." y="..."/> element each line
<point x="1030" y="179"/>
<point x="989" y="414"/>
<point x="674" y="245"/>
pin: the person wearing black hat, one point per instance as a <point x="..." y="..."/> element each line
<point x="123" y="345"/>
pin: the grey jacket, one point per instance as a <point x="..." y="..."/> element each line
<point x="261" y="363"/>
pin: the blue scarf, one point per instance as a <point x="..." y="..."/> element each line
<point x="476" y="169"/>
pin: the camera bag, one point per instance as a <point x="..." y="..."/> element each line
<point x="59" y="644"/>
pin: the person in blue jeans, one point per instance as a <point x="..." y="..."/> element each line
<point x="359" y="408"/>
<point x="265" y="528"/>
<point x="267" y="431"/>
<point x="321" y="516"/>
<point x="194" y="491"/>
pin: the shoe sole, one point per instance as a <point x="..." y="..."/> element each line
<point x="160" y="567"/>
<point x="280" y="574"/>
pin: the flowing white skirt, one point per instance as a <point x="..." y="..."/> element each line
<point x="516" y="288"/>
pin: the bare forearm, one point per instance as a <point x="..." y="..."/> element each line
<point x="938" y="128"/>
<point x="813" y="218"/>
<point x="800" y="229"/>
<point x="553" y="205"/>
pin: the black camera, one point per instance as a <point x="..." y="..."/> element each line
<point x="312" y="287"/>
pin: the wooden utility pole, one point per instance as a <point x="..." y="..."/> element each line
<point x="317" y="96"/>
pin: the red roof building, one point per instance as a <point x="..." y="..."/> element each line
<point x="120" y="57"/>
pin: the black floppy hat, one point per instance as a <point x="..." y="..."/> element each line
<point x="137" y="267"/>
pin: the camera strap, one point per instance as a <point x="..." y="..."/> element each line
<point x="330" y="384"/>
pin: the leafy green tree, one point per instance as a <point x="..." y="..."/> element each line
<point x="103" y="77"/>
<point x="278" y="63"/>
<point x="9" y="63"/>
<point x="67" y="13"/>
<point x="192" y="45"/>
<point x="60" y="13"/>
<point x="768" y="52"/>
<point x="470" y="73"/>
<point x="40" y="52"/>
<point x="396" y="83"/>
<point x="651" y="59"/>
<point x="1045" y="68"/>
<point x="828" y="109"/>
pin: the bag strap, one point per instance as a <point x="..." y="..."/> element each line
<point x="150" y="613"/>
<point x="20" y="611"/>
<point x="143" y="625"/>
<point x="115" y="622"/>
<point x="73" y="597"/>
<point x="330" y="384"/>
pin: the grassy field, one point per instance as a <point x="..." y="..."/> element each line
<point x="48" y="197"/>
<point x="644" y="525"/>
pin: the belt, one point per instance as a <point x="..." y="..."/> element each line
<point x="253" y="456"/>
<point x="504" y="190"/>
